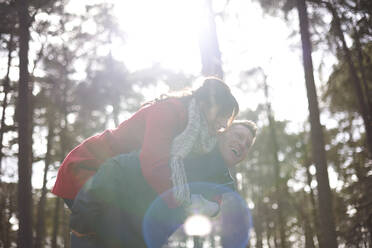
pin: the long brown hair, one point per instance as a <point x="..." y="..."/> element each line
<point x="216" y="92"/>
<point x="212" y="92"/>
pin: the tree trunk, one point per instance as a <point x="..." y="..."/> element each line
<point x="268" y="238"/>
<point x="275" y="236"/>
<point x="363" y="106"/>
<point x="10" y="206"/>
<point x="115" y="113"/>
<point x="258" y="226"/>
<point x="278" y="186"/>
<point x="5" y="101"/>
<point x="369" y="226"/>
<point x="314" y="211"/>
<point x="268" y="234"/>
<point x="327" y="225"/>
<point x="309" y="237"/>
<point x="208" y="44"/>
<point x="2" y="213"/>
<point x="363" y="73"/>
<point x="64" y="149"/>
<point x="24" y="122"/>
<point x="40" y="224"/>
<point x="304" y="220"/>
<point x="6" y="89"/>
<point x="56" y="222"/>
<point x="66" y="228"/>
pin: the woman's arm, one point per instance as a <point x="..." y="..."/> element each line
<point x="163" y="123"/>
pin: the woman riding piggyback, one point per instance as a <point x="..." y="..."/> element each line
<point x="165" y="131"/>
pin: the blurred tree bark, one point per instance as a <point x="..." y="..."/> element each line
<point x="2" y="214"/>
<point x="327" y="224"/>
<point x="278" y="186"/>
<point x="24" y="124"/>
<point x="6" y="91"/>
<point x="208" y="43"/>
<point x="62" y="102"/>
<point x="3" y="129"/>
<point x="40" y="223"/>
<point x="9" y="204"/>
<point x="64" y="150"/>
<point x="56" y="222"/>
<point x="365" y="87"/>
<point x="305" y="220"/>
<point x="258" y="225"/>
<point x="313" y="211"/>
<point x="66" y="227"/>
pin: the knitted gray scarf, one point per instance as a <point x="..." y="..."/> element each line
<point x="195" y="139"/>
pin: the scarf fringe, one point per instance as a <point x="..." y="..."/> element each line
<point x="194" y="137"/>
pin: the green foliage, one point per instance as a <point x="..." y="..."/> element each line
<point x="347" y="152"/>
<point x="259" y="180"/>
<point x="339" y="92"/>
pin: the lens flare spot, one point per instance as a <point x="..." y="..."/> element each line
<point x="198" y="225"/>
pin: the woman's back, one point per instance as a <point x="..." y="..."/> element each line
<point x="84" y="160"/>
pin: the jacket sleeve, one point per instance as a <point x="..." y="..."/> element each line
<point x="163" y="123"/>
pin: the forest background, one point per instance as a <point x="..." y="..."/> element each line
<point x="302" y="70"/>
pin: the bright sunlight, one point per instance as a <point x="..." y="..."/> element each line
<point x="164" y="31"/>
<point x="197" y="225"/>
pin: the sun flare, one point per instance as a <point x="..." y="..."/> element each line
<point x="164" y="31"/>
<point x="198" y="225"/>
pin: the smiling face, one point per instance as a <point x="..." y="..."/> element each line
<point x="234" y="144"/>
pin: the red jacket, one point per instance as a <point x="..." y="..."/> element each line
<point x="151" y="130"/>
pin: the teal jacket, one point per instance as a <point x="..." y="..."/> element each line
<point x="114" y="203"/>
